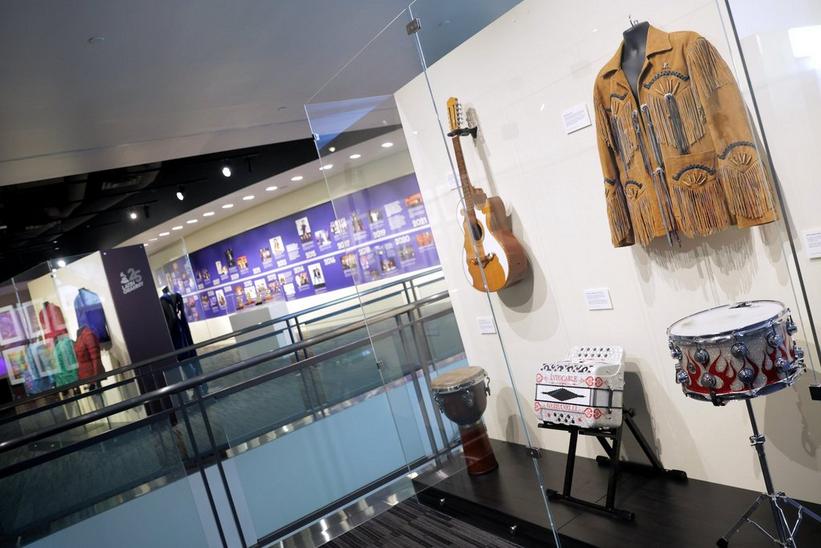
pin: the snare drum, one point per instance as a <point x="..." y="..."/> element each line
<point x="462" y="396"/>
<point x="737" y="351"/>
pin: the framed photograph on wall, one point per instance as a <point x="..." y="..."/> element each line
<point x="11" y="329"/>
<point x="30" y="316"/>
<point x="17" y="363"/>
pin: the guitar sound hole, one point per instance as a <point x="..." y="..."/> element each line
<point x="476" y="230"/>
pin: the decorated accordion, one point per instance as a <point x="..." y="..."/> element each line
<point x="585" y="390"/>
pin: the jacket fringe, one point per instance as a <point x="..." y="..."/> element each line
<point x="679" y="119"/>
<point x="641" y="213"/>
<point x="603" y="124"/>
<point x="623" y="130"/>
<point x="617" y="213"/>
<point x="747" y="186"/>
<point x="707" y="69"/>
<point x="702" y="208"/>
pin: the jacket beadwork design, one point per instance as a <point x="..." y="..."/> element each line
<point x="684" y="159"/>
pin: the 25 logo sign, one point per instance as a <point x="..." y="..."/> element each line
<point x="131" y="280"/>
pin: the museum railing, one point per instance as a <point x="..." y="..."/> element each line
<point x="221" y="351"/>
<point x="334" y="389"/>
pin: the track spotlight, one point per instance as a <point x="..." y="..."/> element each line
<point x="226" y="171"/>
<point x="181" y="193"/>
<point x="132" y="215"/>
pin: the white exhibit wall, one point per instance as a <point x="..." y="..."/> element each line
<point x="519" y="74"/>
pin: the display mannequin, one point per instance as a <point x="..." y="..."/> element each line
<point x="174" y="312"/>
<point x="633" y="54"/>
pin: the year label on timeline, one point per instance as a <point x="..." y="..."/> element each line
<point x="310" y="254"/>
<point x="379" y="233"/>
<point x="419" y="221"/>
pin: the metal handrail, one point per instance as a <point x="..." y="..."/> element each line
<point x="143" y="363"/>
<point x="181" y="386"/>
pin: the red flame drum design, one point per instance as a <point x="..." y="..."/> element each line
<point x="736" y="351"/>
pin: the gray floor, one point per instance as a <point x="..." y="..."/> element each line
<point x="413" y="525"/>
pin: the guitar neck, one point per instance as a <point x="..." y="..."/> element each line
<point x="467" y="188"/>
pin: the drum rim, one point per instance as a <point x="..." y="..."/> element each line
<point x="734" y="333"/>
<point x="799" y="370"/>
<point x="465" y="384"/>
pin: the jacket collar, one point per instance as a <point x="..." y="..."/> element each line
<point x="657" y="42"/>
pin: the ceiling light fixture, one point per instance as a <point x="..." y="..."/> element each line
<point x="331" y="149"/>
<point x="386" y="144"/>
<point x="180" y="193"/>
<point x="152" y="239"/>
<point x="61" y="263"/>
<point x="178" y="227"/>
<point x="248" y="198"/>
<point x="132" y="215"/>
<point x="226" y="171"/>
<point x="271" y="188"/>
<point x="163" y="234"/>
<point x="355" y="156"/>
<point x="325" y="167"/>
<point x="191" y="221"/>
<point x="297" y="178"/>
<point x="208" y="214"/>
<point x="227" y="206"/>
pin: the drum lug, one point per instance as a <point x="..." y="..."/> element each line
<point x="675" y="352"/>
<point x="467" y="398"/>
<point x="682" y="377"/>
<point x="774" y="339"/>
<point x="487" y="385"/>
<point x="782" y="365"/>
<point x="739" y="350"/>
<point x="792" y="329"/>
<point x="702" y="356"/>
<point x="745" y="375"/>
<point x="798" y="352"/>
<point x="708" y="381"/>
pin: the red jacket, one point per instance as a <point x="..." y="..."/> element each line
<point x="51" y="318"/>
<point x="87" y="349"/>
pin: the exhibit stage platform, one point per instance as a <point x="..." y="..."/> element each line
<point x="669" y="513"/>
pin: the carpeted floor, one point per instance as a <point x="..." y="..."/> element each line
<point x="412" y="525"/>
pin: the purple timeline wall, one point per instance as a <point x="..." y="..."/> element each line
<point x="366" y="236"/>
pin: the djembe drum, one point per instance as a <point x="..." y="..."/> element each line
<point x="462" y="396"/>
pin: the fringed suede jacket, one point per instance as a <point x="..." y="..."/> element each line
<point x="683" y="159"/>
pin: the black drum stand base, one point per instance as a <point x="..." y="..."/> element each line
<point x="784" y="531"/>
<point x="610" y="440"/>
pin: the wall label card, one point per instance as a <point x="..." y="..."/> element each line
<point x="812" y="241"/>
<point x="486" y="325"/>
<point x="575" y="118"/>
<point x="598" y="299"/>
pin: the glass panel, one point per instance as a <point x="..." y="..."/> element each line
<point x="392" y="222"/>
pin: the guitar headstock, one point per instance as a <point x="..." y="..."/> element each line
<point x="455" y="117"/>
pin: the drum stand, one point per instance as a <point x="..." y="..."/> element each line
<point x="785" y="533"/>
<point x="613" y="450"/>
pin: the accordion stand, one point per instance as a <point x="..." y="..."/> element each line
<point x="610" y="440"/>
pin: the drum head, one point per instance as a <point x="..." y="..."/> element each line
<point x="727" y="318"/>
<point x="458" y="379"/>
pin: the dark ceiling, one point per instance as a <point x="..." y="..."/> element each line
<point x="83" y="213"/>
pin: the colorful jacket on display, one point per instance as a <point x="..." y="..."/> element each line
<point x="35" y="380"/>
<point x="87" y="352"/>
<point x="90" y="313"/>
<point x="684" y="158"/>
<point x="65" y="360"/>
<point x="51" y="318"/>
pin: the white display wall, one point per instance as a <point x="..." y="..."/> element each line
<point x="519" y="74"/>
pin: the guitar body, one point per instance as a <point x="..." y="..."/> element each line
<point x="494" y="258"/>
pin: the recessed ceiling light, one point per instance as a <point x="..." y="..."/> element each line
<point x="208" y="214"/>
<point x="132" y="215"/>
<point x="152" y="239"/>
<point x="178" y="227"/>
<point x="271" y="188"/>
<point x="248" y="198"/>
<point x="325" y="167"/>
<point x="146" y="244"/>
<point x="191" y="221"/>
<point x="355" y="156"/>
<point x="226" y="171"/>
<point x="181" y="193"/>
<point x="296" y="178"/>
<point x="61" y="263"/>
<point x="227" y="206"/>
<point x="162" y="234"/>
<point x="386" y="144"/>
<point x="331" y="149"/>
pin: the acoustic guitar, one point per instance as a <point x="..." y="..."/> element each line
<point x="494" y="258"/>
